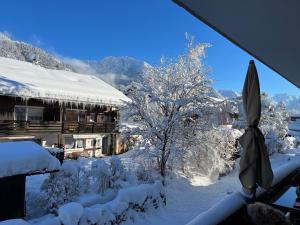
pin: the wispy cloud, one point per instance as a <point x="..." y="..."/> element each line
<point x="6" y="35"/>
<point x="79" y="65"/>
<point x="36" y="41"/>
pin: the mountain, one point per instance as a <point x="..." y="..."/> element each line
<point x="118" y="70"/>
<point x="216" y="94"/>
<point x="229" y="93"/>
<point x="292" y="102"/>
<point x="25" y="52"/>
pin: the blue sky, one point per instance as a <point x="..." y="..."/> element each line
<point x="144" y="29"/>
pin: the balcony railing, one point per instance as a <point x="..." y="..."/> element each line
<point x="26" y="127"/>
<point x="76" y="127"/>
<point x="30" y="127"/>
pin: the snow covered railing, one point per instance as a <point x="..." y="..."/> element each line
<point x="235" y="201"/>
<point x="128" y="203"/>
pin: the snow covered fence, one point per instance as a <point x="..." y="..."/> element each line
<point x="126" y="206"/>
<point x="233" y="202"/>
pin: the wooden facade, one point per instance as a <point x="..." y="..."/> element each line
<point x="53" y="123"/>
<point x="12" y="197"/>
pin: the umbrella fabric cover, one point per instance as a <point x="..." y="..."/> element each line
<point x="255" y="167"/>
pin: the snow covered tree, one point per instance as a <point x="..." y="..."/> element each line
<point x="169" y="101"/>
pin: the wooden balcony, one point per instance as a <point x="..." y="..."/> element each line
<point x="9" y="127"/>
<point x="26" y="127"/>
<point x="76" y="127"/>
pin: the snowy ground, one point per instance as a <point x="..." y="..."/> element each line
<point x="186" y="198"/>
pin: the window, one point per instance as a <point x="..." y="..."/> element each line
<point x="72" y="115"/>
<point x="28" y="113"/>
<point x="69" y="143"/>
<point x="79" y="143"/>
<point x="82" y="114"/>
<point x="20" y="113"/>
<point x="100" y="118"/>
<point x="34" y="114"/>
<point x="98" y="143"/>
<point x="91" y="117"/>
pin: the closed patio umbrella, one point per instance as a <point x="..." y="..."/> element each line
<point x="255" y="167"/>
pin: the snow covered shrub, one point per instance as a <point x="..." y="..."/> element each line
<point x="167" y="99"/>
<point x="126" y="206"/>
<point x="212" y="153"/>
<point x="274" y="124"/>
<point x="35" y="204"/>
<point x="85" y="176"/>
<point x="70" y="213"/>
<point x="143" y="175"/>
<point x="118" y="173"/>
<point x="97" y="214"/>
<point x="290" y="142"/>
<point x="225" y="141"/>
<point x="101" y="176"/>
<point x="61" y="187"/>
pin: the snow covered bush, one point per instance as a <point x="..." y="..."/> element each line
<point x="61" y="187"/>
<point x="85" y="176"/>
<point x="144" y="175"/>
<point x="212" y="153"/>
<point x="167" y="99"/>
<point x="225" y="141"/>
<point x="126" y="206"/>
<point x="118" y="173"/>
<point x="274" y="124"/>
<point x="35" y="204"/>
<point x="101" y="176"/>
<point x="70" y="214"/>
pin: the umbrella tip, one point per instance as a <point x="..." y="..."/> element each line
<point x="251" y="61"/>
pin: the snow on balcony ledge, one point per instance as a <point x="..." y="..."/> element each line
<point x="235" y="201"/>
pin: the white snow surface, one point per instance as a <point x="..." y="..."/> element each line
<point x="26" y="80"/>
<point x="23" y="157"/>
<point x="200" y="200"/>
<point x="14" y="222"/>
<point x="69" y="214"/>
<point x="194" y="201"/>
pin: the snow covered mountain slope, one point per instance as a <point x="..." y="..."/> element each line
<point x="226" y="93"/>
<point x="25" y="52"/>
<point x="119" y="71"/>
<point x="292" y="102"/>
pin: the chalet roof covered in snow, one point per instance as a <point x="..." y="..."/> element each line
<point x="25" y="157"/>
<point x="26" y="80"/>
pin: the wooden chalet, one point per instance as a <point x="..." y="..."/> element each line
<point x="59" y="108"/>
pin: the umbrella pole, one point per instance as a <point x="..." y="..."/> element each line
<point x="254" y="196"/>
